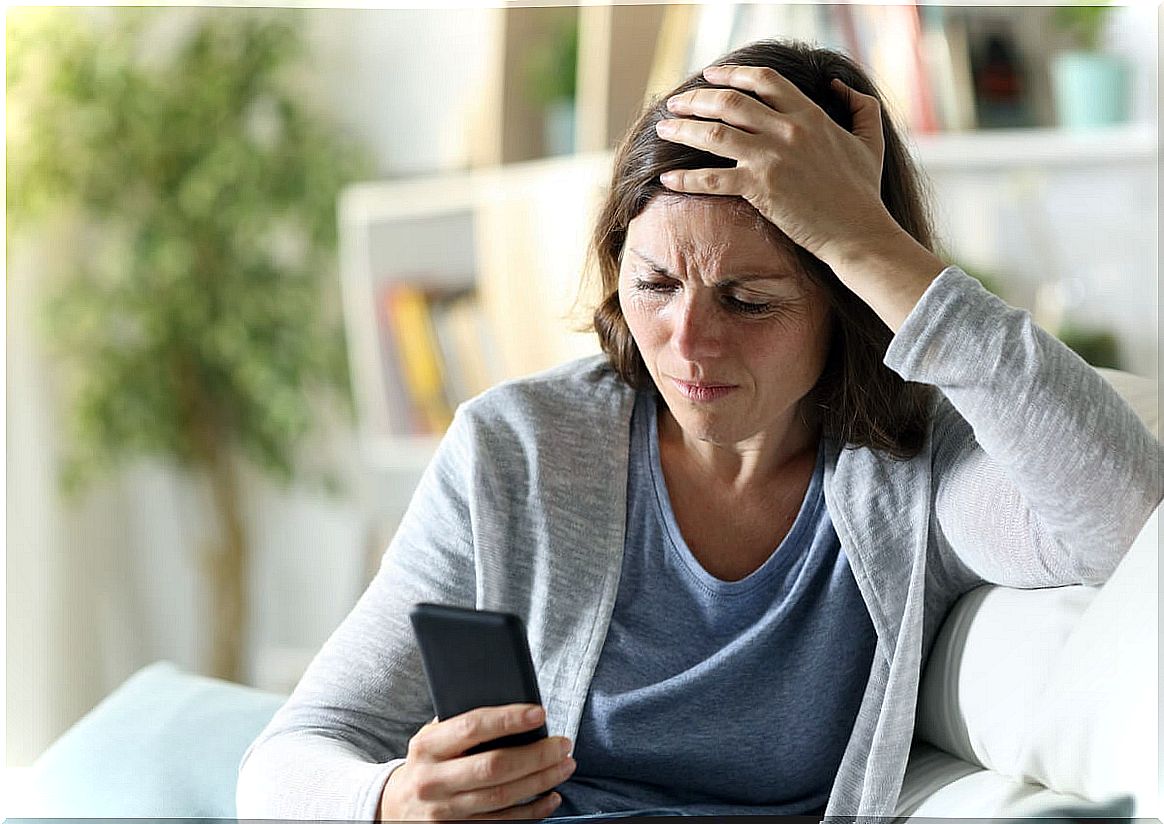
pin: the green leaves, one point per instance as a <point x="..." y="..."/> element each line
<point x="1083" y="22"/>
<point x="203" y="299"/>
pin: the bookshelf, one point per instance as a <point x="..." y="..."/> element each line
<point x="511" y="238"/>
<point x="629" y="52"/>
<point x="1015" y="148"/>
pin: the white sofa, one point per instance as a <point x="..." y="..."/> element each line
<point x="1033" y="702"/>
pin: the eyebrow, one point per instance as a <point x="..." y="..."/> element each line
<point x="660" y="269"/>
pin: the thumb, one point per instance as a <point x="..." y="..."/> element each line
<point x="866" y="113"/>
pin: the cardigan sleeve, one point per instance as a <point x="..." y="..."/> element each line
<point x="1043" y="474"/>
<point x="329" y="750"/>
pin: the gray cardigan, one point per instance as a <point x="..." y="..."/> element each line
<point x="1036" y="473"/>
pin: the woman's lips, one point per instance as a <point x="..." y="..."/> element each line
<point x="702" y="392"/>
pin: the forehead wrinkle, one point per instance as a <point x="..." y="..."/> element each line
<point x="731" y="280"/>
<point x="728" y="213"/>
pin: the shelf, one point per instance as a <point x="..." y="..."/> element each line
<point x="1012" y="148"/>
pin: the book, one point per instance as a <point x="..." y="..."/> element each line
<point x="476" y="351"/>
<point x="419" y="356"/>
<point x="402" y="418"/>
<point x="945" y="50"/>
<point x="888" y="40"/>
<point x="804" y="22"/>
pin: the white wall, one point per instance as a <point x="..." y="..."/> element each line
<point x="404" y="80"/>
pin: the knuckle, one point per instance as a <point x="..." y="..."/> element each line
<point x="713" y="180"/>
<point x="468" y="725"/>
<point x="426" y="789"/>
<point x="491" y="767"/>
<point x="496" y="797"/>
<point x="551" y="751"/>
<point x="717" y="132"/>
<point x="440" y="811"/>
<point x="732" y="101"/>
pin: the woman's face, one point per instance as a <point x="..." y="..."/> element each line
<point x="731" y="331"/>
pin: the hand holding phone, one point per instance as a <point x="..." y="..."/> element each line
<point x="439" y="781"/>
<point x="487" y="752"/>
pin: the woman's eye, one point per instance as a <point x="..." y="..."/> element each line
<point x="733" y="304"/>
<point x="653" y="286"/>
<point x="748" y="307"/>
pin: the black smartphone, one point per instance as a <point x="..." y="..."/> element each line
<point x="476" y="658"/>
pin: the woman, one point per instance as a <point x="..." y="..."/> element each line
<point x="732" y="537"/>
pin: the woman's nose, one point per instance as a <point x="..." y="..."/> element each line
<point x="696" y="332"/>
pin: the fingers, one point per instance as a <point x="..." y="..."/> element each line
<point x="534" y="810"/>
<point x="503" y="796"/>
<point x="503" y="766"/>
<point x="772" y="87"/>
<point x="450" y="738"/>
<point x="705" y="181"/>
<point x="728" y="105"/>
<point x="715" y="137"/>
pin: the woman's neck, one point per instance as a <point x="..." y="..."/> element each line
<point x="744" y="468"/>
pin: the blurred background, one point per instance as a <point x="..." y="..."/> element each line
<point x="257" y="256"/>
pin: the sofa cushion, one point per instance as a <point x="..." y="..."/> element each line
<point x="989" y="667"/>
<point x="165" y="743"/>
<point x="1055" y="686"/>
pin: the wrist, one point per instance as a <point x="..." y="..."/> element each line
<point x="386" y="807"/>
<point x="888" y="269"/>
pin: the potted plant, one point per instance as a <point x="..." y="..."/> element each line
<point x="194" y="323"/>
<point x="1091" y="86"/>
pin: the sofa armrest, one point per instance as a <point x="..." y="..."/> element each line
<point x="166" y="743"/>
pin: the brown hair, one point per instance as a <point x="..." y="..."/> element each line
<point x="861" y="401"/>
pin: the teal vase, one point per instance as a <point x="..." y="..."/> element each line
<point x="1091" y="88"/>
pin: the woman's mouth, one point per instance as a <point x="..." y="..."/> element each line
<point x="702" y="392"/>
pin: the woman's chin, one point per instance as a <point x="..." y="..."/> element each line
<point x="709" y="427"/>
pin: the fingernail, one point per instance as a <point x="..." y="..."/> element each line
<point x="534" y="714"/>
<point x="564" y="747"/>
<point x="665" y="126"/>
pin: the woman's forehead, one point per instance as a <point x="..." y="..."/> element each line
<point x="707" y="222"/>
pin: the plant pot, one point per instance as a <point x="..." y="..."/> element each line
<point x="558" y="127"/>
<point x="1091" y="88"/>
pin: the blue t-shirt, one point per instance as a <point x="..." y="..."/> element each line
<point x="720" y="697"/>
